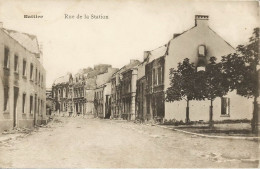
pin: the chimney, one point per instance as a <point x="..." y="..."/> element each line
<point x="175" y="35"/>
<point x="201" y="20"/>
<point x="146" y="54"/>
<point x="1" y="25"/>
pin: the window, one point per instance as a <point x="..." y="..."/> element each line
<point x="16" y="63"/>
<point x="24" y="99"/>
<point x="36" y="74"/>
<point x="24" y="67"/>
<point x="202" y="50"/>
<point x="160" y="76"/>
<point x="6" y="98"/>
<point x="64" y="92"/>
<point x="225" y="106"/>
<point x="39" y="78"/>
<point x="39" y="102"/>
<point x="31" y="104"/>
<point x="6" y="58"/>
<point x="31" y="72"/>
<point x="59" y="91"/>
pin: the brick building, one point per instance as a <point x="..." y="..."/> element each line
<point x="22" y="88"/>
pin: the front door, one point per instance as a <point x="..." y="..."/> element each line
<point x="16" y="94"/>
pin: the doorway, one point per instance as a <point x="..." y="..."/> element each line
<point x="16" y="94"/>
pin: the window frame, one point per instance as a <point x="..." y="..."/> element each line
<point x="16" y="63"/>
<point x="225" y="107"/>
<point x="6" y="63"/>
<point x="24" y="68"/>
<point x="6" y="93"/>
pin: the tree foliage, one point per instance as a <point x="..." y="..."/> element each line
<point x="240" y="69"/>
<point x="214" y="80"/>
<point x="182" y="82"/>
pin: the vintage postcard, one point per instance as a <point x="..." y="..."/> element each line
<point x="129" y="84"/>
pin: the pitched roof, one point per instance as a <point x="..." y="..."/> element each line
<point x="158" y="52"/>
<point x="26" y="40"/>
<point x="62" y="80"/>
<point x="132" y="64"/>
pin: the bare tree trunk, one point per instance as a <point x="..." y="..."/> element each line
<point x="254" y="122"/>
<point x="211" y="123"/>
<point x="187" y="112"/>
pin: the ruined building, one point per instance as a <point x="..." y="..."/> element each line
<point x="22" y="88"/>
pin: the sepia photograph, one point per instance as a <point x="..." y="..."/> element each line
<point x="129" y="84"/>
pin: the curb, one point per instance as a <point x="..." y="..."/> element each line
<point x="210" y="136"/>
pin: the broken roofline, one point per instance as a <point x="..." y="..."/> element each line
<point x="6" y="32"/>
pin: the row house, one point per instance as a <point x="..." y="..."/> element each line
<point x="123" y="91"/>
<point x="75" y="95"/>
<point x="22" y="88"/>
<point x="60" y="94"/>
<point x="198" y="43"/>
<point x="79" y="100"/>
<point x="102" y="96"/>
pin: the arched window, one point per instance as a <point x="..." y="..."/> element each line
<point x="59" y="93"/>
<point x="64" y="92"/>
<point x="202" y="50"/>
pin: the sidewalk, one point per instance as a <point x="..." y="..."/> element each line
<point x="192" y="130"/>
<point x="252" y="138"/>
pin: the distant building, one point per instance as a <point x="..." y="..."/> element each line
<point x="22" y="88"/>
<point x="60" y="94"/>
<point x="74" y="95"/>
<point x="49" y="102"/>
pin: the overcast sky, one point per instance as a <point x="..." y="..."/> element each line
<point x="133" y="27"/>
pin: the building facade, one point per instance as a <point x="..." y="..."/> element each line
<point x="49" y="102"/>
<point x="103" y="93"/>
<point x="22" y="89"/>
<point x="199" y="41"/>
<point x="79" y="100"/>
<point x="60" y="94"/>
<point x="123" y="91"/>
<point x="141" y="109"/>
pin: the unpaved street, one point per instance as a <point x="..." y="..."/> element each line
<point x="77" y="142"/>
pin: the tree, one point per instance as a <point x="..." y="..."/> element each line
<point x="182" y="84"/>
<point x="240" y="70"/>
<point x="215" y="84"/>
